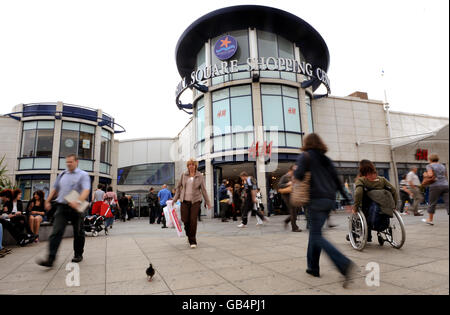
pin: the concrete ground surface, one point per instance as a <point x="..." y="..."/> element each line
<point x="263" y="260"/>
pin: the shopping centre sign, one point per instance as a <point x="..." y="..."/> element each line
<point x="254" y="64"/>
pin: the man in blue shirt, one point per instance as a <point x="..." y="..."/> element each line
<point x="163" y="195"/>
<point x="71" y="179"/>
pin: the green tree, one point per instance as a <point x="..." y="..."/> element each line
<point x="5" y="181"/>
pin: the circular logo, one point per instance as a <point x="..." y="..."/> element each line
<point x="69" y="143"/>
<point x="226" y="47"/>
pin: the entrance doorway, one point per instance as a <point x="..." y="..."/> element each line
<point x="230" y="172"/>
<point x="275" y="203"/>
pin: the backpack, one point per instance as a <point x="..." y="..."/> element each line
<point x="377" y="220"/>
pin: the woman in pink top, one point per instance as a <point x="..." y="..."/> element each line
<point x="111" y="198"/>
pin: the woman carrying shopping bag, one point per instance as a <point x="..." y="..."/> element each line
<point x="190" y="189"/>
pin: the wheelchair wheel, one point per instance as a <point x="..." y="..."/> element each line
<point x="396" y="234"/>
<point x="357" y="227"/>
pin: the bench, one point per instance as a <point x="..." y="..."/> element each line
<point x="44" y="233"/>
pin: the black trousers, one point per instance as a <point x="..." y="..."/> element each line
<point x="63" y="214"/>
<point x="152" y="213"/>
<point x="223" y="210"/>
<point x="246" y="208"/>
<point x="21" y="223"/>
<point x="17" y="234"/>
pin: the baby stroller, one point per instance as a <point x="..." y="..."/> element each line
<point x="94" y="224"/>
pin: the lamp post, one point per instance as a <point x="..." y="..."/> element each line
<point x="386" y="107"/>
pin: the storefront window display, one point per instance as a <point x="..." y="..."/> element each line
<point x="77" y="138"/>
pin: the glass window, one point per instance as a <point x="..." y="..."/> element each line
<point x="66" y="125"/>
<point x="240" y="90"/>
<point x="77" y="138"/>
<point x="29" y="187"/>
<point x="37" y="139"/>
<point x="44" y="144"/>
<point x="86" y="146"/>
<point x="271" y="45"/>
<point x="220" y="95"/>
<point x="200" y="120"/>
<point x="241" y="113"/>
<point x="293" y="140"/>
<point x="46" y="124"/>
<point x="221" y="117"/>
<point x="29" y="125"/>
<point x="42" y="163"/>
<point x="291" y="114"/>
<point x="147" y="174"/>
<point x="272" y="108"/>
<point x="105" y="147"/>
<point x="270" y="89"/>
<point x="281" y="111"/>
<point x="28" y="142"/>
<point x="267" y="44"/>
<point x="309" y="113"/>
<point x="69" y="143"/>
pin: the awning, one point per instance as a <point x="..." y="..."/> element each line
<point x="438" y="136"/>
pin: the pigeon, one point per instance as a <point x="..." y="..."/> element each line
<point x="150" y="272"/>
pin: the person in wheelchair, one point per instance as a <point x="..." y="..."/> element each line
<point x="375" y="196"/>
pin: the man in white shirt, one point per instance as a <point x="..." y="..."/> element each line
<point x="414" y="182"/>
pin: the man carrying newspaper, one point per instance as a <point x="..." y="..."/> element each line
<point x="72" y="188"/>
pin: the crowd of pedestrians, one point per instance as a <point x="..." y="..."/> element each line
<point x="242" y="198"/>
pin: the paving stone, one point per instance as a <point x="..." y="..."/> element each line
<point x="137" y="287"/>
<point x="270" y="284"/>
<point x="414" y="279"/>
<point x="219" y="289"/>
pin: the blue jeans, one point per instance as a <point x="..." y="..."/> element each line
<point x="318" y="211"/>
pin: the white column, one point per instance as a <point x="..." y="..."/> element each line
<point x="97" y="150"/>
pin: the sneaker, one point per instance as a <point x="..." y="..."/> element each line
<point x="77" y="259"/>
<point x="5" y="251"/>
<point x="418" y="214"/>
<point x="193" y="246"/>
<point x="428" y="222"/>
<point x="242" y="225"/>
<point x="297" y="230"/>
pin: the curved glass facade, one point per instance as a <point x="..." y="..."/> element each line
<point x="147" y="174"/>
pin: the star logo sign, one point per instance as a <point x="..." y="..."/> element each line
<point x="225" y="42"/>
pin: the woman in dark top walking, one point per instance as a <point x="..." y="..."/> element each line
<point x="323" y="186"/>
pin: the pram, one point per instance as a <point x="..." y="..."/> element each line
<point x="96" y="222"/>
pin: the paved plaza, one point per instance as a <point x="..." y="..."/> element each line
<point x="252" y="261"/>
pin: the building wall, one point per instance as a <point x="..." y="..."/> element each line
<point x="9" y="146"/>
<point x="343" y="121"/>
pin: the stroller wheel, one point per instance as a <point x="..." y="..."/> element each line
<point x="106" y="231"/>
<point x="95" y="233"/>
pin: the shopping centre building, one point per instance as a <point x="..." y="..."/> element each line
<point x="259" y="81"/>
<point x="35" y="138"/>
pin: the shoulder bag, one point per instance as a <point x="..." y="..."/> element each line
<point x="301" y="188"/>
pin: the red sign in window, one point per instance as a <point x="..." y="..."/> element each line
<point x="421" y="155"/>
<point x="292" y="110"/>
<point x="222" y="113"/>
<point x="256" y="150"/>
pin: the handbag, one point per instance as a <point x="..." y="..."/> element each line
<point x="428" y="180"/>
<point x="301" y="188"/>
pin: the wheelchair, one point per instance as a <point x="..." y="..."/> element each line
<point x="358" y="231"/>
